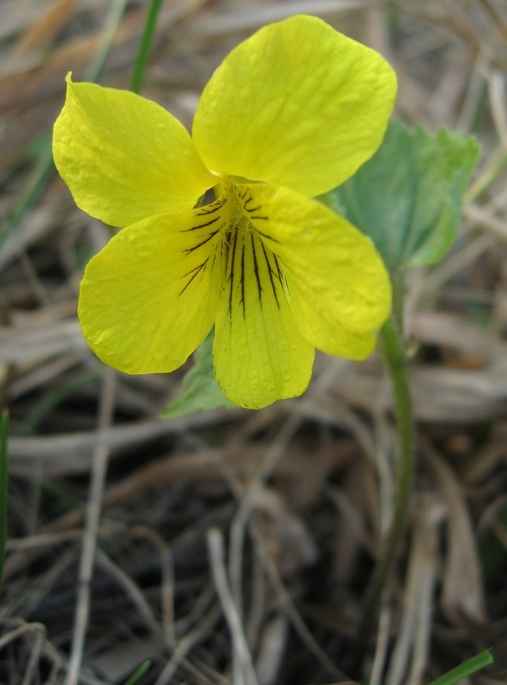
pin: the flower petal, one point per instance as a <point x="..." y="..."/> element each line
<point x="149" y="298"/>
<point x="340" y="292"/>
<point x="259" y="354"/>
<point x="298" y="104"/>
<point x="124" y="157"/>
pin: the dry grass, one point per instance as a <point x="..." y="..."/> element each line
<point x="234" y="543"/>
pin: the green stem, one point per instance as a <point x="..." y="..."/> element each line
<point x="144" y="49"/>
<point x="396" y="361"/>
<point x="398" y="281"/>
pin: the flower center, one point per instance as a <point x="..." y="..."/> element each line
<point x="252" y="270"/>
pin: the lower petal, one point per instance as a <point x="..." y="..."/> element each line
<point x="259" y="354"/>
<point x="149" y="298"/>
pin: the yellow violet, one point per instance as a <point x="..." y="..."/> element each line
<point x="291" y="113"/>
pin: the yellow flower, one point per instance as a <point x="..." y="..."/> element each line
<point x="291" y="113"/>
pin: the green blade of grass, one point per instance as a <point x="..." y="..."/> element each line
<point x="36" y="184"/>
<point x="138" y="673"/>
<point x="145" y="47"/>
<point x="52" y="399"/>
<point x="44" y="166"/>
<point x="113" y="21"/>
<point x="464" y="670"/>
<point x="4" y="424"/>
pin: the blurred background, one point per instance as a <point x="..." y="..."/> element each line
<point x="225" y="543"/>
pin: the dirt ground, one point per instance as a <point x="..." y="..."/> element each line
<point x="236" y="546"/>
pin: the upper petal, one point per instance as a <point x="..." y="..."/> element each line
<point x="124" y="157"/>
<point x="298" y="104"/>
<point x="149" y="298"/>
<point x="259" y="354"/>
<point x="340" y="291"/>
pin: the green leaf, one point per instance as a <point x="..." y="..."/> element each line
<point x="408" y="197"/>
<point x="476" y="663"/>
<point x="200" y="389"/>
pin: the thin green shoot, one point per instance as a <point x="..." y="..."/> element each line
<point x="36" y="184"/>
<point x="145" y="47"/>
<point x="113" y="20"/>
<point x="476" y="663"/>
<point x="44" y="166"/>
<point x="52" y="399"/>
<point x="138" y="673"/>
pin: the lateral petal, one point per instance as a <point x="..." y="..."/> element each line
<point x="124" y="157"/>
<point x="339" y="288"/>
<point x="259" y="354"/>
<point x="298" y="104"/>
<point x="149" y="298"/>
